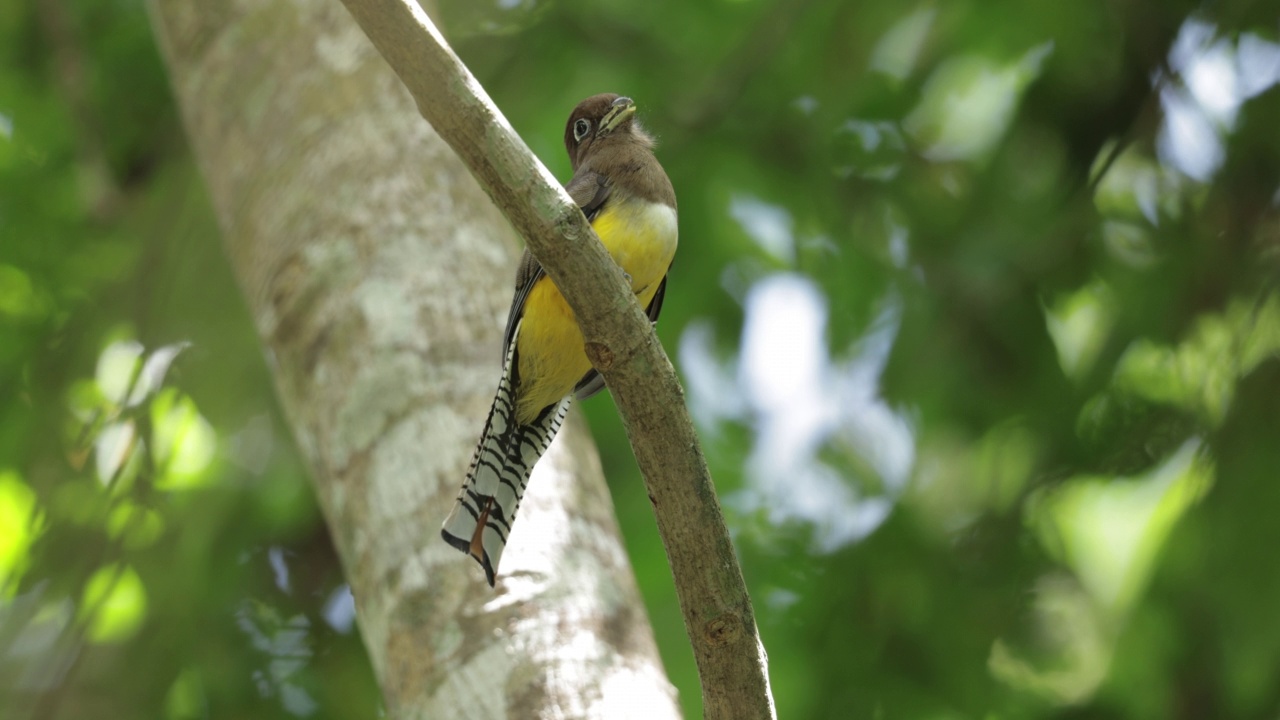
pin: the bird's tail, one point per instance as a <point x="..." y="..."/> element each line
<point x="500" y="467"/>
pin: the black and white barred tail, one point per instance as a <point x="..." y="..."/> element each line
<point x="481" y="519"/>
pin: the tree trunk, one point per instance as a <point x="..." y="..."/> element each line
<point x="620" y="342"/>
<point x="379" y="275"/>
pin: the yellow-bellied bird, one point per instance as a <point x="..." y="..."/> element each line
<point x="631" y="205"/>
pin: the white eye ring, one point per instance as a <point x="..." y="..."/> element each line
<point x="580" y="129"/>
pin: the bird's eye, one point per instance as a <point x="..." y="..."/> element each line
<point x="580" y="129"/>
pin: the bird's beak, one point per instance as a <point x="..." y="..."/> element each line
<point x="623" y="108"/>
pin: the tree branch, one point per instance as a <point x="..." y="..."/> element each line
<point x="619" y="341"/>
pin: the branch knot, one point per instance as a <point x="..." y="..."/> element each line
<point x="600" y="355"/>
<point x="723" y="631"/>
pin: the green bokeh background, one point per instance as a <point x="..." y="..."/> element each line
<point x="976" y="303"/>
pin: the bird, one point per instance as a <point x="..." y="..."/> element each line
<point x="627" y="197"/>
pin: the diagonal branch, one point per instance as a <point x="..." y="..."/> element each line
<point x="619" y="341"/>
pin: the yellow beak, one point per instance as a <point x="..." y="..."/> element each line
<point x="623" y="108"/>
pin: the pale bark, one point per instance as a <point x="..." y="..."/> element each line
<point x="378" y="275"/>
<point x="713" y="596"/>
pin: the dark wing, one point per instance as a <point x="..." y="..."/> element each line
<point x="655" y="305"/>
<point x="593" y="382"/>
<point x="528" y="274"/>
<point x="589" y="190"/>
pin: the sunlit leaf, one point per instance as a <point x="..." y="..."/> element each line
<point x="969" y="102"/>
<point x="136" y="526"/>
<point x="21" y="522"/>
<point x="956" y="481"/>
<point x="86" y="400"/>
<point x="114" y="604"/>
<point x="184" y="441"/>
<point x="1136" y="188"/>
<point x="896" y="53"/>
<point x="151" y="377"/>
<point x="1259" y="328"/>
<point x="1110" y="530"/>
<point x="1130" y="243"/>
<point x="1004" y="463"/>
<point x="115" y="453"/>
<point x="1078" y="324"/>
<point x="18" y="298"/>
<point x="117" y="366"/>
<point x="1198" y="375"/>
<point x="186" y="698"/>
<point x="1071" y="648"/>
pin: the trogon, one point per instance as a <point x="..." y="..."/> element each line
<point x="628" y="199"/>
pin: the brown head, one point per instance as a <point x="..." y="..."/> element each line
<point x="602" y="122"/>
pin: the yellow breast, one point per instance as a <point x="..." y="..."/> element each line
<point x="641" y="236"/>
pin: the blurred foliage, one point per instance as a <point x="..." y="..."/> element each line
<point x="160" y="551"/>
<point x="976" y="305"/>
